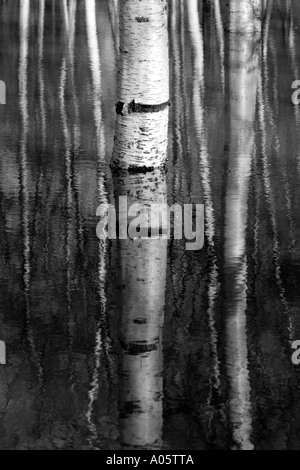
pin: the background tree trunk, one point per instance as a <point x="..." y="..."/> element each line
<point x="245" y="33"/>
<point x="198" y="108"/>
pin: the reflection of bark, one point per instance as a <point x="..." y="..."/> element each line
<point x="72" y="224"/>
<point x="143" y="91"/>
<point x="102" y="340"/>
<point x="265" y="113"/>
<point x="143" y="274"/>
<point x="42" y="111"/>
<point x="69" y="220"/>
<point x="142" y="283"/>
<point x="95" y="69"/>
<point x="275" y="325"/>
<point x="266" y="28"/>
<point x="181" y="167"/>
<point x="113" y="9"/>
<point x="198" y="91"/>
<point x="279" y="153"/>
<point x="177" y="149"/>
<point x="24" y="177"/>
<point x="220" y="35"/>
<point x="69" y="17"/>
<point x="243" y="76"/>
<point x="41" y="71"/>
<point x="287" y="11"/>
<point x="295" y="71"/>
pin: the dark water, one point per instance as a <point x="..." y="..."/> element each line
<point x="224" y="317"/>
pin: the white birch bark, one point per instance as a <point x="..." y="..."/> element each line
<point x="143" y="88"/>
<point x="245" y="32"/>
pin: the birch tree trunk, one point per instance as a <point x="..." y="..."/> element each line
<point x="141" y="143"/>
<point x="245" y="32"/>
<point x="143" y="88"/>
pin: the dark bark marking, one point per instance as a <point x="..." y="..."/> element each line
<point x="134" y="107"/>
<point x="142" y="19"/>
<point x="140" y="321"/>
<point x="135" y="349"/>
<point x="129" y="408"/>
<point x="119" y="107"/>
<point x="134" y="169"/>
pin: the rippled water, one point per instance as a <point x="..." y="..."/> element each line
<point x="222" y="319"/>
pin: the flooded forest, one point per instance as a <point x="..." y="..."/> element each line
<point x="143" y="344"/>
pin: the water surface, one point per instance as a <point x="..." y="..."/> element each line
<point x="223" y="318"/>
